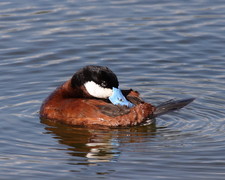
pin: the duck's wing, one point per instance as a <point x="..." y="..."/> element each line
<point x="113" y="110"/>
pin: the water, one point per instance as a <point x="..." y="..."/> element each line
<point x="163" y="49"/>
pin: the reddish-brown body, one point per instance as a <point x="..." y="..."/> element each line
<point x="76" y="107"/>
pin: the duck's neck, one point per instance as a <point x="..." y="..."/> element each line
<point x="67" y="91"/>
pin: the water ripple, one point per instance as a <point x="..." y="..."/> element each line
<point x="165" y="50"/>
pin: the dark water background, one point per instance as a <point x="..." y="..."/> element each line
<point x="164" y="49"/>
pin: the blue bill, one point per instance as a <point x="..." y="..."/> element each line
<point x="117" y="98"/>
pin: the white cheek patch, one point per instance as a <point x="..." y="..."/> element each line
<point x="97" y="91"/>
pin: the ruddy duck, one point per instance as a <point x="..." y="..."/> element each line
<point x="91" y="97"/>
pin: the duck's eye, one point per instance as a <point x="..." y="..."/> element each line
<point x="103" y="84"/>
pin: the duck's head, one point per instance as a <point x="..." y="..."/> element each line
<point x="100" y="82"/>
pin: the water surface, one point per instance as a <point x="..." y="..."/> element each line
<point x="164" y="49"/>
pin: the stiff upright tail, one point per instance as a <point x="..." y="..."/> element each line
<point x="171" y="105"/>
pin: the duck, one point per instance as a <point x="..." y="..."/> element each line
<point x="92" y="97"/>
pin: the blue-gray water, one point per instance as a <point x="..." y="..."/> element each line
<point x="164" y="49"/>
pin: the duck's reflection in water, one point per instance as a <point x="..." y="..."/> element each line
<point x="97" y="144"/>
